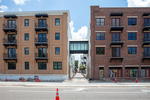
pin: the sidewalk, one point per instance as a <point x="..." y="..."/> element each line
<point x="79" y="78"/>
<point x="68" y="84"/>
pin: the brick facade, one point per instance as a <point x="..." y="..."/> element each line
<point x="129" y="59"/>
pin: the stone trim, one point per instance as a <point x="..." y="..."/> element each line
<point x="100" y="45"/>
<point x="101" y="31"/>
<point x="132" y="31"/>
<point x="145" y="65"/>
<point x="132" y="45"/>
<point x="99" y="16"/>
<point x="115" y="66"/>
<point x="115" y="31"/>
<point x="116" y="16"/>
<point x="101" y="66"/>
<point x="132" y="16"/>
<point x="131" y="65"/>
<point x="146" y="45"/>
<point x="116" y="46"/>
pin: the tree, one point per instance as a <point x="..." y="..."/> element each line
<point x="76" y="63"/>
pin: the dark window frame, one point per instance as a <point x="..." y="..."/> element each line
<point x="100" y="52"/>
<point x="100" y="36"/>
<point x="132" y="36"/>
<point x="57" y="66"/>
<point x="26" y="51"/>
<point x="132" y="50"/>
<point x="55" y="36"/>
<point x="55" y="21"/>
<point x="26" y="65"/>
<point x="13" y="66"/>
<point x="132" y="21"/>
<point x="100" y="23"/>
<point x="42" y="66"/>
<point x="55" y="50"/>
<point x="42" y="24"/>
<point x="115" y="36"/>
<point x="26" y="24"/>
<point x="25" y="36"/>
<point x="148" y="22"/>
<point x="115" y="51"/>
<point x="115" y="21"/>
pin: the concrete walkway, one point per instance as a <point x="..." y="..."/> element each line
<point x="79" y="78"/>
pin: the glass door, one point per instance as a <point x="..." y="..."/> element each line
<point x="11" y="24"/>
<point x="42" y="37"/>
<point x="42" y="52"/>
<point x="11" y="52"/>
<point x="115" y="36"/>
<point x="116" y="52"/>
<point x="11" y="38"/>
<point x="42" y="22"/>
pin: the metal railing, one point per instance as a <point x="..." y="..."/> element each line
<point x="146" y="54"/>
<point x="37" y="24"/>
<point x="6" y="55"/>
<point x="6" y="40"/>
<point x="41" y="55"/>
<point x="40" y="40"/>
<point x="146" y="39"/>
<point x="6" y="25"/>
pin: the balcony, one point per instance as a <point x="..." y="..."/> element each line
<point x="9" y="42"/>
<point x="41" y="56"/>
<point x="146" y="28"/>
<point x="117" y="28"/>
<point x="116" y="14"/>
<point x="146" y="41"/>
<point x="40" y="42"/>
<point x="146" y="56"/>
<point x="116" y="43"/>
<point x="40" y="27"/>
<point x="9" y="28"/>
<point x="116" y="58"/>
<point x="7" y="56"/>
<point x="41" y="15"/>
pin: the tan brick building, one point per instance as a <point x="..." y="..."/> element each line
<point x="120" y="39"/>
<point x="34" y="43"/>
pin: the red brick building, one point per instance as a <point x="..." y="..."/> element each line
<point x="120" y="39"/>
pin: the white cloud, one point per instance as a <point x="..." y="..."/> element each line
<point x="0" y="0"/>
<point x="138" y="3"/>
<point x="20" y="9"/>
<point x="20" y="2"/>
<point x="3" y="8"/>
<point x="80" y="34"/>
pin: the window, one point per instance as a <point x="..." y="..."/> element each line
<point x="26" y="51"/>
<point x="42" y="52"/>
<point x="11" y="24"/>
<point x="115" y="21"/>
<point x="57" y="65"/>
<point x="42" y="37"/>
<point x="100" y="36"/>
<point x="100" y="50"/>
<point x="115" y="36"/>
<point x="57" y="21"/>
<point x="41" y="65"/>
<point x="132" y="50"/>
<point x="100" y="21"/>
<point x="146" y="37"/>
<point x="131" y="21"/>
<point x="42" y="23"/>
<point x="11" y="53"/>
<point x="115" y="52"/>
<point x="57" y="50"/>
<point x="26" y="65"/>
<point x="131" y="36"/>
<point x="11" y="38"/>
<point x="26" y="22"/>
<point x="146" y="51"/>
<point x="57" y="36"/>
<point x="146" y="21"/>
<point x="26" y="37"/>
<point x="11" y="65"/>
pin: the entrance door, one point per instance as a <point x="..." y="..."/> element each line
<point x="42" y="37"/>
<point x="11" y="38"/>
<point x="101" y="73"/>
<point x="11" y="52"/>
<point x="11" y="24"/>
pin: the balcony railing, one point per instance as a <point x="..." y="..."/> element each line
<point x="9" y="41"/>
<point x="37" y="24"/>
<point x="146" y="54"/>
<point x="8" y="26"/>
<point x="40" y="40"/>
<point x="146" y="39"/>
<point x="9" y="56"/>
<point x="42" y="55"/>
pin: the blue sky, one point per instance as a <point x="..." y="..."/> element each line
<point x="79" y="9"/>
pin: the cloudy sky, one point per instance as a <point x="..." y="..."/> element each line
<point x="79" y="9"/>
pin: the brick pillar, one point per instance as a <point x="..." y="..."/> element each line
<point x="139" y="71"/>
<point x="123" y="72"/>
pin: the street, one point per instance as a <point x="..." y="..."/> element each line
<point x="74" y="93"/>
